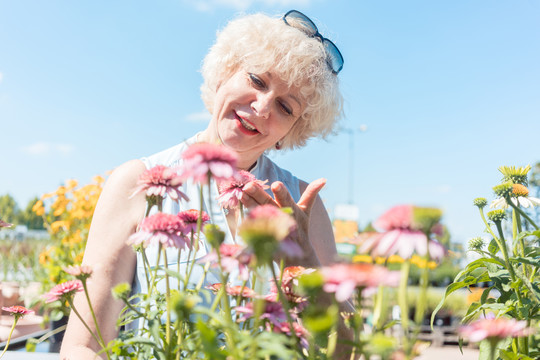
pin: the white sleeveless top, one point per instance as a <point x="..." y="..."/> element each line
<point x="265" y="169"/>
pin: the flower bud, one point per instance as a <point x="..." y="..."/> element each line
<point x="476" y="243"/>
<point x="496" y="215"/>
<point x="480" y="202"/>
<point x="504" y="190"/>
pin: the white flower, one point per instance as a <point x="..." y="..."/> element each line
<point x="525" y="201"/>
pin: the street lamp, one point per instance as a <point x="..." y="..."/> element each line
<point x="351" y="132"/>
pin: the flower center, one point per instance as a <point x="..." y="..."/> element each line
<point x="520" y="190"/>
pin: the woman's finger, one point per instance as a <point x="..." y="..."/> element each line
<point x="255" y="195"/>
<point x="310" y="195"/>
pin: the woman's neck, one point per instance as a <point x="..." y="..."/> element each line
<point x="246" y="161"/>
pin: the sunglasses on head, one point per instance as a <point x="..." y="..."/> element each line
<point x="300" y="21"/>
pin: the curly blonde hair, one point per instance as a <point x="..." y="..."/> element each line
<point x="258" y="43"/>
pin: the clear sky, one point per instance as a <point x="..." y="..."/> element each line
<point x="448" y="90"/>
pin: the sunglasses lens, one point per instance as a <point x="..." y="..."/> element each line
<point x="300" y="21"/>
<point x="335" y="59"/>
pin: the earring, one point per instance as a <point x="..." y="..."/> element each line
<point x="278" y="145"/>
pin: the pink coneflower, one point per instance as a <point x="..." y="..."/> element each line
<point x="63" y="290"/>
<point x="495" y="329"/>
<point x="17" y="310"/>
<point x="204" y="160"/>
<point x="272" y="220"/>
<point x="158" y="181"/>
<point x="403" y="243"/>
<point x="166" y="229"/>
<point x="233" y="258"/>
<point x="234" y="290"/>
<point x="4" y="224"/>
<point x="289" y="280"/>
<point x="343" y="279"/>
<point x="273" y="311"/>
<point x="190" y="218"/>
<point x="398" y="217"/>
<point x="299" y="330"/>
<point x="231" y="190"/>
<point x="81" y="272"/>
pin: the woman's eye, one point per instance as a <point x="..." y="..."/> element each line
<point x="256" y="80"/>
<point x="285" y="108"/>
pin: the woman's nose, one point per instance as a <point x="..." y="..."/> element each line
<point x="262" y="105"/>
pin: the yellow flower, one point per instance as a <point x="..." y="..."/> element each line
<point x="362" y="258"/>
<point x="395" y="259"/>
<point x="44" y="257"/>
<point x="38" y="208"/>
<point x="422" y="263"/>
<point x="98" y="179"/>
<point x="57" y="225"/>
<point x="71" y="184"/>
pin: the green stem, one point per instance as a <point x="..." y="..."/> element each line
<point x="93" y="315"/>
<point x="403" y="302"/>
<point x="522" y="213"/>
<point x="378" y="309"/>
<point x="70" y="301"/>
<point x="9" y="337"/>
<point x="168" y="302"/>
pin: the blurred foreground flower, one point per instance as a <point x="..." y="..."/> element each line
<point x="202" y="160"/>
<point x="158" y="181"/>
<point x="233" y="258"/>
<point x="343" y="279"/>
<point x="18" y="312"/>
<point x="495" y="329"/>
<point x="4" y="224"/>
<point x="405" y="229"/>
<point x="81" y="272"/>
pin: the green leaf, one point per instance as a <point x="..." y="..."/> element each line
<point x="469" y="280"/>
<point x="507" y="355"/>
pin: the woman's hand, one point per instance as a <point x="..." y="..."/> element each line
<point x="254" y="195"/>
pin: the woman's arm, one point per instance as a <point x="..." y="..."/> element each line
<point x="113" y="262"/>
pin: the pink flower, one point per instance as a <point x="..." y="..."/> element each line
<point x="203" y="160"/>
<point x="166" y="229"/>
<point x="289" y="280"/>
<point x="495" y="329"/>
<point x="398" y="217"/>
<point x="234" y="290"/>
<point x="343" y="279"/>
<point x="299" y="330"/>
<point x="273" y="311"/>
<point x="63" y="290"/>
<point x="231" y="190"/>
<point x="233" y="257"/>
<point x="271" y="219"/>
<point x="158" y="181"/>
<point x="79" y="271"/>
<point x="190" y="218"/>
<point x="17" y="310"/>
<point x="4" y="224"/>
<point x="403" y="243"/>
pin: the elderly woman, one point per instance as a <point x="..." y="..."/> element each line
<point x="270" y="84"/>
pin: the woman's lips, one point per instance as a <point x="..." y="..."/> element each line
<point x="245" y="126"/>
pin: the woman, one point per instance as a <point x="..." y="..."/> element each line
<point x="269" y="83"/>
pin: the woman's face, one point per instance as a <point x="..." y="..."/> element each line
<point x="252" y="112"/>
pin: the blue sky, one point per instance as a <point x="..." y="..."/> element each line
<point x="448" y="90"/>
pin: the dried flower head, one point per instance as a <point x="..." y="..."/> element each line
<point x="515" y="174"/>
<point x="476" y="243"/>
<point x="480" y="202"/>
<point x="496" y="215"/>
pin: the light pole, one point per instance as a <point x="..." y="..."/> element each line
<point x="352" y="132"/>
